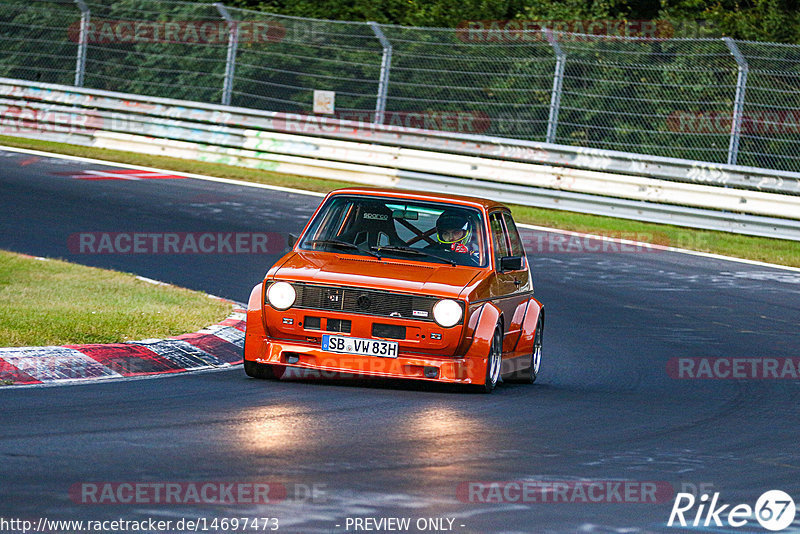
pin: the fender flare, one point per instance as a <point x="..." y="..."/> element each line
<point x="532" y="317"/>
<point x="254" y="334"/>
<point x="482" y="336"/>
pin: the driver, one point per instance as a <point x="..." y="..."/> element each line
<point x="454" y="231"/>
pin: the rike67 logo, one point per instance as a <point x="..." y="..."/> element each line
<point x="774" y="510"/>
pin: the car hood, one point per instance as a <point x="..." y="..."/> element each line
<point x="442" y="280"/>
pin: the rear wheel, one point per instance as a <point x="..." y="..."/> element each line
<point x="536" y="357"/>
<point x="262" y="370"/>
<point x="493" y="362"/>
<point x="529" y="374"/>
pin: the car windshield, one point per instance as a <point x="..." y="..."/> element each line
<point x="433" y="232"/>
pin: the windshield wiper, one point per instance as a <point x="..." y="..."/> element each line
<point x="413" y="252"/>
<point x="343" y="244"/>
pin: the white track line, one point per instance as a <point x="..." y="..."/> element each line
<point x="315" y="194"/>
<point x="153" y="169"/>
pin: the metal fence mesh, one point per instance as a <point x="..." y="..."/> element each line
<point x="280" y="72"/>
<point x="163" y="59"/>
<point x="666" y="97"/>
<point x="771" y="125"/>
<point x="35" y="43"/>
<point x="455" y="84"/>
<point x="644" y="95"/>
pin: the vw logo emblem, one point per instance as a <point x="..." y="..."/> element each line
<point x="364" y="302"/>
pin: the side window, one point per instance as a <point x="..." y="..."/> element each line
<point x="513" y="236"/>
<point x="333" y="221"/>
<point x="498" y="236"/>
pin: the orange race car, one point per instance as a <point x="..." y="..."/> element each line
<point x="400" y="284"/>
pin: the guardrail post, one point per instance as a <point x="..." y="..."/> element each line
<point x="558" y="81"/>
<point x="230" y="61"/>
<point x="386" y="65"/>
<point x="738" y="104"/>
<point x="83" y="43"/>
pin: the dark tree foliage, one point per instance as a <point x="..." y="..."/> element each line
<point x="757" y="20"/>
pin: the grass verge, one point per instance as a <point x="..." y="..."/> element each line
<point x="58" y="303"/>
<point x="754" y="248"/>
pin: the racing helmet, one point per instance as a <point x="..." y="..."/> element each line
<point x="452" y="227"/>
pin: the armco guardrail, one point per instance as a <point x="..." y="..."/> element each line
<point x="317" y="126"/>
<point x="750" y="201"/>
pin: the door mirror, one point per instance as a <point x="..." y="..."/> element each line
<point x="291" y="239"/>
<point x="510" y="263"/>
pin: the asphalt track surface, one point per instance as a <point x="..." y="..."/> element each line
<point x="605" y="407"/>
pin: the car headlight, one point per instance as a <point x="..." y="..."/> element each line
<point x="281" y="295"/>
<point x="447" y="313"/>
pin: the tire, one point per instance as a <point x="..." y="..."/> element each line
<point x="493" y="362"/>
<point x="261" y="370"/>
<point x="529" y="374"/>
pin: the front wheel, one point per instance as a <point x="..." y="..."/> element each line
<point x="493" y="362"/>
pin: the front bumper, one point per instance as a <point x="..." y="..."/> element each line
<point x="468" y="370"/>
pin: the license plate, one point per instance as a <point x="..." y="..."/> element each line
<point x="356" y="345"/>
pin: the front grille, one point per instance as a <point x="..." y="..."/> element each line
<point x="338" y="325"/>
<point x="364" y="301"/>
<point x="313" y="323"/>
<point x="390" y="331"/>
